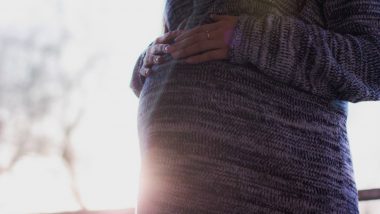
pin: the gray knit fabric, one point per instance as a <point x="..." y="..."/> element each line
<point x="265" y="130"/>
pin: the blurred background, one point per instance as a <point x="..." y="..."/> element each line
<point x="68" y="138"/>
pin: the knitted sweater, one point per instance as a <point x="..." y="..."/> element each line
<point x="265" y="130"/>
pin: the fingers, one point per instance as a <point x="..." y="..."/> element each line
<point x="208" y="56"/>
<point x="144" y="71"/>
<point x="202" y="36"/>
<point x="200" y="44"/>
<point x="197" y="48"/>
<point x="197" y="44"/>
<point x="154" y="53"/>
<point x="196" y="30"/>
<point x="161" y="45"/>
<point x="149" y="61"/>
<point x="168" y="37"/>
<point x="158" y="49"/>
<point x="152" y="59"/>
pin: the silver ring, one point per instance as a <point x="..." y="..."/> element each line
<point x="155" y="60"/>
<point x="208" y="35"/>
<point x="146" y="72"/>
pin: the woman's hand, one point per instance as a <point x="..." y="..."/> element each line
<point x="154" y="54"/>
<point x="205" y="43"/>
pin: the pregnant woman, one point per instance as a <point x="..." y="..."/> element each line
<point x="244" y="111"/>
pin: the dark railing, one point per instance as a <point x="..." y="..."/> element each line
<point x="369" y="194"/>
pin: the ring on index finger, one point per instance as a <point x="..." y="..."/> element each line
<point x="156" y="59"/>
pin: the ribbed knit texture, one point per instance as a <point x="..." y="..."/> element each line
<point x="265" y="130"/>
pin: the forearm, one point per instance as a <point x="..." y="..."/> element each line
<point x="335" y="65"/>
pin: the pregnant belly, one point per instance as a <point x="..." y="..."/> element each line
<point x="202" y="95"/>
<point x="217" y="128"/>
<point x="220" y="96"/>
<point x="210" y="99"/>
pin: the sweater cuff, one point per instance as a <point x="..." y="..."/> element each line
<point x="246" y="40"/>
